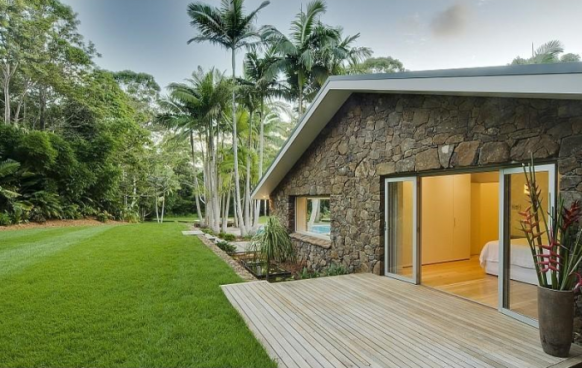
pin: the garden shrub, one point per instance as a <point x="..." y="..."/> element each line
<point x="45" y="206"/>
<point x="5" y="219"/>
<point x="226" y="246"/>
<point x="102" y="216"/>
<point x="306" y="274"/>
<point x="72" y="212"/>
<point x="130" y="216"/>
<point x="335" y="270"/>
<point x="227" y="236"/>
<point x="20" y="214"/>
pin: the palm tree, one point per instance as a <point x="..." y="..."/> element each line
<point x="178" y="114"/>
<point x="230" y="28"/>
<point x="260" y="81"/>
<point x="297" y="53"/>
<point x="341" y="55"/>
<point x="547" y="53"/>
<point x="262" y="78"/>
<point x="312" y="52"/>
<point x="199" y="107"/>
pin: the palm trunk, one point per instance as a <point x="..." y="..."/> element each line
<point x="300" y="108"/>
<point x="261" y="155"/>
<point x="196" y="186"/>
<point x="248" y="206"/>
<point x="235" y="215"/>
<point x="237" y="197"/>
<point x="226" y="208"/>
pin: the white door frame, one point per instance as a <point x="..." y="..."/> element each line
<point x="551" y="170"/>
<point x="415" y="279"/>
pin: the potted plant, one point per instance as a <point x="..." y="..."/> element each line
<point x="555" y="242"/>
<point x="272" y="244"/>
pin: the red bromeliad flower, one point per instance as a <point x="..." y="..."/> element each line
<point x="555" y="238"/>
<point x="571" y="216"/>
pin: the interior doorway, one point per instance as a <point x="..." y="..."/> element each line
<point x="460" y="234"/>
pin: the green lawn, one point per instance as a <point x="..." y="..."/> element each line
<point x="194" y="217"/>
<point x="138" y="295"/>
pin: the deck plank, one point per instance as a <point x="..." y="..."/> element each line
<point x="363" y="320"/>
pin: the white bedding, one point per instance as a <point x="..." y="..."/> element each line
<point x="521" y="262"/>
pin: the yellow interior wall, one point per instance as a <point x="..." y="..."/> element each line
<point x="446" y="218"/>
<point x="405" y="252"/>
<point x="484" y="215"/>
<point x="301" y="214"/>
<point x="489" y="229"/>
<point x="475" y="218"/>
<point x="519" y="200"/>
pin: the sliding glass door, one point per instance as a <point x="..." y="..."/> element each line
<point x="400" y="226"/>
<point x="518" y="280"/>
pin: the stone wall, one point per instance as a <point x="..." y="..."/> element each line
<point x="374" y="135"/>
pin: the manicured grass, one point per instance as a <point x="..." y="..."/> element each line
<point x="194" y="217"/>
<point x="180" y="218"/>
<point x="118" y="296"/>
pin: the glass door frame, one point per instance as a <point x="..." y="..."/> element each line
<point x="415" y="279"/>
<point x="504" y="211"/>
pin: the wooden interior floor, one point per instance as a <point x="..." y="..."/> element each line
<point x="468" y="280"/>
<point x="364" y="320"/>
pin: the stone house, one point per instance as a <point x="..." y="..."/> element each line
<point x="413" y="174"/>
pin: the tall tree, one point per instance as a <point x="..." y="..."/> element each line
<point x="143" y="90"/>
<point x="229" y="27"/>
<point x="260" y="81"/>
<point x="41" y="49"/>
<point x="197" y="107"/>
<point x="312" y="52"/>
<point x="549" y="52"/>
<point x="374" y="65"/>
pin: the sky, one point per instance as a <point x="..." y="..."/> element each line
<point x="151" y="35"/>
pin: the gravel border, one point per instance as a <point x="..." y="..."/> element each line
<point x="236" y="267"/>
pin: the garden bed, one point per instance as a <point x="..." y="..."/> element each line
<point x="59" y="223"/>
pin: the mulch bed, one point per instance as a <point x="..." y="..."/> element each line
<point x="237" y="267"/>
<point x="59" y="223"/>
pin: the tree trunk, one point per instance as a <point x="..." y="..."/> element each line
<point x="42" y="108"/>
<point x="6" y="90"/>
<point x="237" y="198"/>
<point x="314" y="217"/>
<point x="196" y="186"/>
<point x="300" y="107"/>
<point x="226" y="208"/>
<point x="235" y="216"/>
<point x="248" y="206"/>
<point x="21" y="101"/>
<point x="157" y="215"/>
<point x="261" y="157"/>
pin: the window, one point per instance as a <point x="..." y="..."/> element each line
<point x="312" y="216"/>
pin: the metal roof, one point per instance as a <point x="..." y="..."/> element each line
<point x="557" y="81"/>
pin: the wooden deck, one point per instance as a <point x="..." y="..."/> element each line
<point x="363" y="320"/>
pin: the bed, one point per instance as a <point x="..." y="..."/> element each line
<point x="521" y="264"/>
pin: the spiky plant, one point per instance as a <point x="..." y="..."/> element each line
<point x="273" y="244"/>
<point x="554" y="239"/>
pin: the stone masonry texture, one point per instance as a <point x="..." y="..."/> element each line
<point x="377" y="135"/>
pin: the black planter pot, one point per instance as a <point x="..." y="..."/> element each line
<point x="556" y="320"/>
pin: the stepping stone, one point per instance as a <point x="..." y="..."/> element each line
<point x="192" y="232"/>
